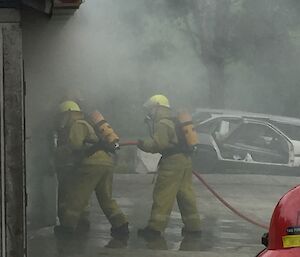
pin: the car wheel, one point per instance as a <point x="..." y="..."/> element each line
<point x="205" y="160"/>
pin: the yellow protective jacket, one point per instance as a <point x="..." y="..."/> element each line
<point x="164" y="134"/>
<point x="80" y="133"/>
<point x="77" y="132"/>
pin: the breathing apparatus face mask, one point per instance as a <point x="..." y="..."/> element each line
<point x="152" y="112"/>
<point x="149" y="120"/>
<point x="148" y="113"/>
<point x="64" y="119"/>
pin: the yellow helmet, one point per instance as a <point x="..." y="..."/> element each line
<point x="157" y="100"/>
<point x="69" y="106"/>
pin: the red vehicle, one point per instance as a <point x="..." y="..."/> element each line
<point x="283" y="239"/>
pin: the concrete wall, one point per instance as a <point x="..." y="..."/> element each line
<point x="12" y="179"/>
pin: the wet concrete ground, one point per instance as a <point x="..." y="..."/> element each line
<point x="224" y="234"/>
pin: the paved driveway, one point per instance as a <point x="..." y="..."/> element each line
<point x="224" y="234"/>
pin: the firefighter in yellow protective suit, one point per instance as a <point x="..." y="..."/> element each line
<point x="174" y="181"/>
<point x="92" y="171"/>
<point x="62" y="163"/>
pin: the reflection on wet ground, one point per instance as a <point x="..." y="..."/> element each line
<point x="83" y="244"/>
<point x="45" y="240"/>
<point x="221" y="230"/>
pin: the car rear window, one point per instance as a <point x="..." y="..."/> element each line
<point x="292" y="131"/>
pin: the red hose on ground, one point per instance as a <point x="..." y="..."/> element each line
<point x="222" y="200"/>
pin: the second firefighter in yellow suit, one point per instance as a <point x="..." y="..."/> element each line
<point x="174" y="180"/>
<point x="91" y="173"/>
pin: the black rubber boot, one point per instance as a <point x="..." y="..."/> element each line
<point x="117" y="243"/>
<point x="191" y="233"/>
<point x="149" y="233"/>
<point x="120" y="232"/>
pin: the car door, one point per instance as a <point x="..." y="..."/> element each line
<point x="255" y="142"/>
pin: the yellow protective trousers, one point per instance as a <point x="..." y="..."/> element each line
<point x="174" y="181"/>
<point x="64" y="179"/>
<point x="85" y="180"/>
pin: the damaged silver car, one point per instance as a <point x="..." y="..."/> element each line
<point x="248" y="141"/>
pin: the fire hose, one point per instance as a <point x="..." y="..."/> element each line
<point x="218" y="196"/>
<point x="228" y="205"/>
